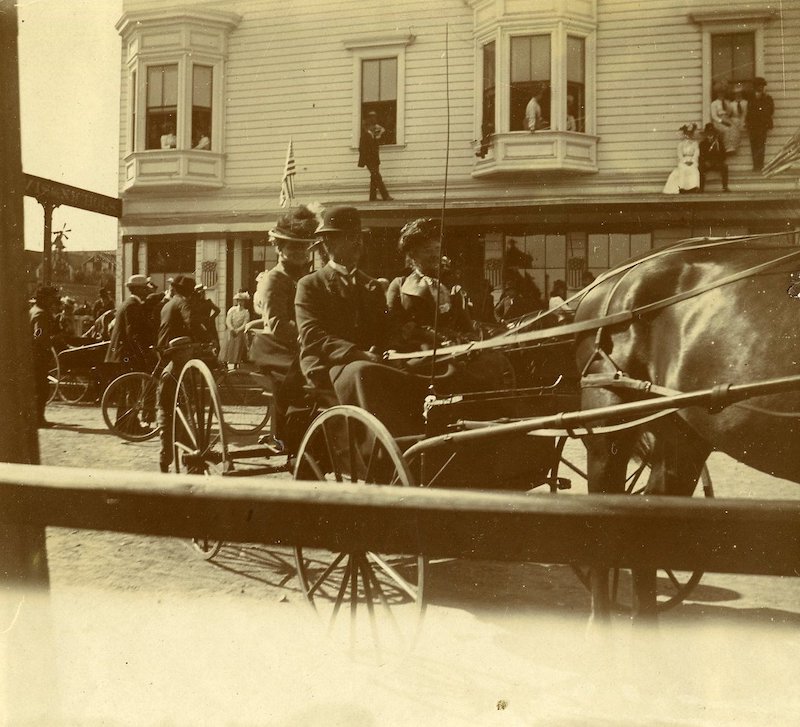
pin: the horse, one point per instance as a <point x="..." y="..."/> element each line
<point x="700" y="314"/>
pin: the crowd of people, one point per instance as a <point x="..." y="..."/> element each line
<point x="733" y="114"/>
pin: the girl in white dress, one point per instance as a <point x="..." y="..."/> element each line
<point x="238" y="316"/>
<point x="721" y="118"/>
<point x="686" y="175"/>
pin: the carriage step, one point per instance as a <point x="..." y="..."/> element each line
<point x="254" y="471"/>
<point x="254" y="451"/>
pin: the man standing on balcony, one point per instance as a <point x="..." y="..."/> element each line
<point x="369" y="155"/>
<point x="759" y="121"/>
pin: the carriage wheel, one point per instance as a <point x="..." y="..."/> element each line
<point x="246" y="400"/>
<point x="53" y="375"/>
<point x="73" y="388"/>
<point x="198" y="434"/>
<point x="363" y="596"/>
<point x="129" y="406"/>
<point x="673" y="586"/>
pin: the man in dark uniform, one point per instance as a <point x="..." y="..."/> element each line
<point x="369" y="155"/>
<point x="177" y="322"/>
<point x="760" y="109"/>
<point x="132" y="336"/>
<point x="344" y="328"/>
<point x="42" y="327"/>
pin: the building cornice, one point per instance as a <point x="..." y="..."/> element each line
<point x="177" y="14"/>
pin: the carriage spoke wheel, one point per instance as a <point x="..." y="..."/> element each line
<point x="673" y="586"/>
<point x="73" y="387"/>
<point x="198" y="434"/>
<point x="53" y="375"/>
<point x="364" y="598"/>
<point x="129" y="406"/>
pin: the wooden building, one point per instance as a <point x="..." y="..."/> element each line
<point x="225" y="85"/>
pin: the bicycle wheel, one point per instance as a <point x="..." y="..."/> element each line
<point x="53" y="375"/>
<point x="246" y="400"/>
<point x="74" y="387"/>
<point x="129" y="406"/>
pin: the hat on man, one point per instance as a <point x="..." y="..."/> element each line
<point x="183" y="284"/>
<point x="139" y="281"/>
<point x="298" y="226"/>
<point x="340" y="219"/>
<point x="759" y="82"/>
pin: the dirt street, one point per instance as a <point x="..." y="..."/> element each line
<point x="148" y="633"/>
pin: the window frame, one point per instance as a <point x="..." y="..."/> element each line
<point x="183" y="127"/>
<point x="559" y="32"/>
<point x="723" y="23"/>
<point x="378" y="48"/>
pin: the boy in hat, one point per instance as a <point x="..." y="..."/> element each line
<point x="759" y="121"/>
<point x="712" y="156"/>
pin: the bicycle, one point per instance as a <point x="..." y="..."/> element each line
<point x="129" y="402"/>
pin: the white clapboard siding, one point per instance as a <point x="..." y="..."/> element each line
<point x="289" y="75"/>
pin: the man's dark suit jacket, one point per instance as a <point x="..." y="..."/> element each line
<point x="336" y="321"/>
<point x="131" y="335"/>
<point x="177" y="319"/>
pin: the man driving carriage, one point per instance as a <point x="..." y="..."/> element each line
<point x="345" y="327"/>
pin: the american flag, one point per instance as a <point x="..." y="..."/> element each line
<point x="787" y="157"/>
<point x="287" y="183"/>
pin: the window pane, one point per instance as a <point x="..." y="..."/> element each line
<point x="155" y="86"/>
<point x="576" y="63"/>
<point x="732" y="58"/>
<point x="619" y="248"/>
<point x="201" y="86"/>
<point x="170" y="86"/>
<point x="598" y="251"/>
<point x="576" y="84"/>
<point x="487" y="111"/>
<point x="370" y="81"/>
<point x="379" y="94"/>
<point x="388" y="90"/>
<point x="530" y="74"/>
<point x="133" y="111"/>
<point x="520" y="59"/>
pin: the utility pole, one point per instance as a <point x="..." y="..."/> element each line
<point x="27" y="693"/>
<point x="47" y="242"/>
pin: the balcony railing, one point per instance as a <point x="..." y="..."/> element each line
<point x="174" y="168"/>
<point x="523" y="151"/>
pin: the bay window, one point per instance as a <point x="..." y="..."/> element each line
<point x="530" y="78"/>
<point x="175" y="103"/>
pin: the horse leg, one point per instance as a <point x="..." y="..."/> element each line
<point x="676" y="463"/>
<point x="607" y="459"/>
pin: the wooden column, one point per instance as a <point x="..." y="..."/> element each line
<point x="24" y="601"/>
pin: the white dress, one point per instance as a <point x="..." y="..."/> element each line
<point x="686" y="175"/>
<point x="721" y="119"/>
<point x="737" y="113"/>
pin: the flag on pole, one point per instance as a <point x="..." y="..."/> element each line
<point x="787" y="157"/>
<point x="287" y="183"/>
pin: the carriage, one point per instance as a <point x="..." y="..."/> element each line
<point x="580" y="381"/>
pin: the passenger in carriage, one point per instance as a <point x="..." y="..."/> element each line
<point x="413" y="299"/>
<point x="274" y="348"/>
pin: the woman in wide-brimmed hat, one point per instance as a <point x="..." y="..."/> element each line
<point x="686" y="175"/>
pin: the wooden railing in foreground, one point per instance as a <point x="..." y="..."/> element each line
<point x="735" y="536"/>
